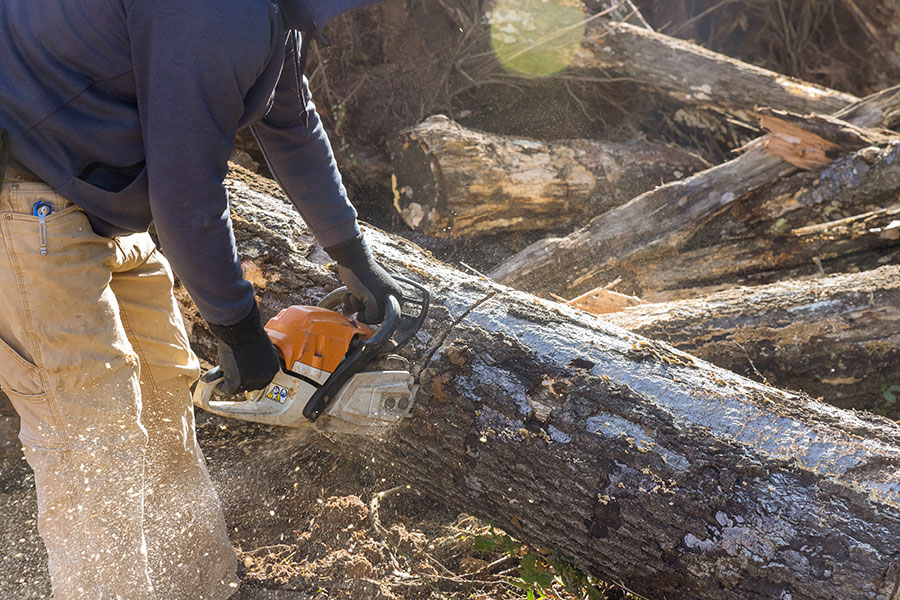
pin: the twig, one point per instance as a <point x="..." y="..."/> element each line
<point x="752" y="365"/>
<point x="473" y="270"/>
<point x="497" y="563"/>
<point x="580" y="103"/>
<point x="375" y="519"/>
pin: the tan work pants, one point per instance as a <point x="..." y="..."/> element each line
<point x="96" y="361"/>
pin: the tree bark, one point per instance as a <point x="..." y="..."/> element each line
<point x="636" y="461"/>
<point x="832" y="337"/>
<point x="456" y="182"/>
<point x="661" y="221"/>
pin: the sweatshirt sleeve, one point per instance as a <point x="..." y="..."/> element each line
<point x="193" y="64"/>
<point x="301" y="159"/>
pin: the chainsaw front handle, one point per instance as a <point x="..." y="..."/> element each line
<point x="409" y="324"/>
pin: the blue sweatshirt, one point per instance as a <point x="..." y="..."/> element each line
<point x="129" y="109"/>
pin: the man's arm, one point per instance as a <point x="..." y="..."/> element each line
<point x="300" y="157"/>
<point x="190" y="94"/>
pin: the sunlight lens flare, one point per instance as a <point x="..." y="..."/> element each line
<point x="536" y="37"/>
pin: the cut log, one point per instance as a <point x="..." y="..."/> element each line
<point x="694" y="76"/>
<point x="456" y="182"/>
<point x="659" y="222"/>
<point x="832" y="337"/>
<point x="635" y="461"/>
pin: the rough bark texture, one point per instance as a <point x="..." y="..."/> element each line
<point x="457" y="182"/>
<point x="695" y="76"/>
<point x="861" y="238"/>
<point x="660" y="221"/>
<point x="835" y="337"/>
<point x="856" y="183"/>
<point x="636" y="461"/>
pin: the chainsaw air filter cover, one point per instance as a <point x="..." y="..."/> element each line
<point x="313" y="336"/>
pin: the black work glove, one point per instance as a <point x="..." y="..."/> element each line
<point x="247" y="357"/>
<point x="369" y="284"/>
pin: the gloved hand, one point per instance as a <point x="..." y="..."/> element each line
<point x="369" y="284"/>
<point x="247" y="357"/>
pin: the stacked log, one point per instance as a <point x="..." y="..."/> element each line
<point x="457" y="182"/>
<point x="694" y="76"/>
<point x="835" y="338"/>
<point x="660" y="222"/>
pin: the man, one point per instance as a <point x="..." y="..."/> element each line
<point x="119" y="113"/>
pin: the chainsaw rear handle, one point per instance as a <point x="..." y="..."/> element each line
<point x="207" y="386"/>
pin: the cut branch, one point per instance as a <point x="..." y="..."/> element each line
<point x="694" y="76"/>
<point x="770" y="239"/>
<point x="802" y="251"/>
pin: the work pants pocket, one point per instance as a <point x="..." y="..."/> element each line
<point x="21" y="380"/>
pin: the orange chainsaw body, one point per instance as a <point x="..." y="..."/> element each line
<point x="317" y="337"/>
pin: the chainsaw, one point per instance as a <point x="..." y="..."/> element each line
<point x="337" y="373"/>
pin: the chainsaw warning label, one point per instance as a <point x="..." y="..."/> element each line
<point x="276" y="392"/>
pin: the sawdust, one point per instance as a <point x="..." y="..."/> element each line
<point x="307" y="520"/>
<point x="300" y="519"/>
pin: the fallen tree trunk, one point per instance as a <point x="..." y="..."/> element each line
<point x="635" y="461"/>
<point x="694" y="76"/>
<point x="457" y="182"/>
<point x="701" y="91"/>
<point x="768" y="239"/>
<point x="802" y="251"/>
<point x="832" y="337"/>
<point x="661" y="221"/>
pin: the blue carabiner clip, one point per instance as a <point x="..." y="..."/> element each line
<point x="41" y="210"/>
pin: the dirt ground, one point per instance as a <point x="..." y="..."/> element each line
<point x="301" y="519"/>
